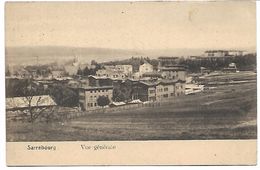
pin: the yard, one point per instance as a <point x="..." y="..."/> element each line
<point x="224" y="112"/>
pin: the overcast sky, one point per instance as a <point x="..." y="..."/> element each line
<point x="132" y="25"/>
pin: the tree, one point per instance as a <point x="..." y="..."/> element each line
<point x="119" y="96"/>
<point x="32" y="98"/>
<point x="64" y="96"/>
<point x="93" y="62"/>
<point x="103" y="101"/>
<point x="79" y="72"/>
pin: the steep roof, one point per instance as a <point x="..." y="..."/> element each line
<point x="149" y="83"/>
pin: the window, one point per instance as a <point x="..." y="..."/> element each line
<point x="90" y="91"/>
<point x="151" y="91"/>
<point x="165" y="95"/>
<point x="166" y="89"/>
<point x="98" y="90"/>
<point x="102" y="90"/>
<point x="95" y="96"/>
<point x="172" y="94"/>
<point x="95" y="104"/>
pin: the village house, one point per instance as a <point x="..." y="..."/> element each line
<point x="231" y="68"/>
<point x="167" y="61"/>
<point x="125" y="69"/>
<point x="158" y="90"/>
<point x="223" y="53"/>
<point x="145" y="68"/>
<point x="97" y="86"/>
<point x="88" y="96"/>
<point x="236" y="53"/>
<point x="177" y="72"/>
<point x="114" y="74"/>
<point x="216" y="53"/>
<point x="58" y="73"/>
<point x="149" y="90"/>
<point x="152" y="75"/>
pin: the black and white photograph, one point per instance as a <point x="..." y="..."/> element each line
<point x="130" y="71"/>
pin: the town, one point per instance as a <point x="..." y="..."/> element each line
<point x="60" y="92"/>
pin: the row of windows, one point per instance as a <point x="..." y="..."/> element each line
<point x="179" y="87"/>
<point x="114" y="76"/>
<point x="94" y="91"/>
<point x="151" y="91"/>
<point x="164" y="89"/>
<point x="159" y="90"/>
<point x="166" y="95"/>
<point x="91" y="97"/>
<point x="92" y="104"/>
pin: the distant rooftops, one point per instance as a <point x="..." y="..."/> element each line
<point x="222" y="51"/>
<point x="173" y="68"/>
<point x="167" y="58"/>
<point x="96" y="87"/>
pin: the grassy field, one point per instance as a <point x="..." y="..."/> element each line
<point x="224" y="112"/>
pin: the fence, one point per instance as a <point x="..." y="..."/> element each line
<point x="71" y="115"/>
<point x="63" y="113"/>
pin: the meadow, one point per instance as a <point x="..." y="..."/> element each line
<point x="224" y="112"/>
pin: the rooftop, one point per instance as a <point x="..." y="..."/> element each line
<point x="96" y="87"/>
<point x="16" y="103"/>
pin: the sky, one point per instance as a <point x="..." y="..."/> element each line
<point x="139" y="25"/>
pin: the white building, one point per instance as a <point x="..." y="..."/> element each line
<point x="126" y="69"/>
<point x="235" y="53"/>
<point x="223" y="53"/>
<point x="145" y="68"/>
<point x="113" y="74"/>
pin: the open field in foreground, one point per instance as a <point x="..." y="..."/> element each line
<point x="224" y="112"/>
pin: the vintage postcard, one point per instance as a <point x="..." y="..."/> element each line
<point x="131" y="83"/>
